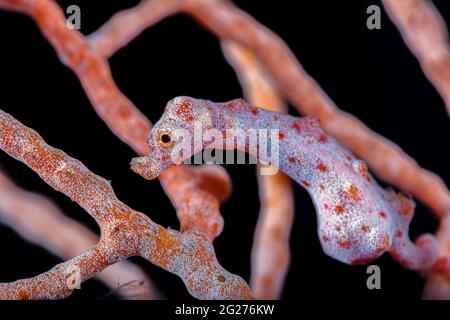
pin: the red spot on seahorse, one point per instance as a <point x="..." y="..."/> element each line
<point x="408" y="210"/>
<point x="183" y="107"/>
<point x="292" y="159"/>
<point x="353" y="192"/>
<point x="312" y="122"/>
<point x="360" y="167"/>
<point x="364" y="228"/>
<point x="254" y="111"/>
<point x="281" y="135"/>
<point x="398" y="233"/>
<point x="231" y="105"/>
<point x="383" y="215"/>
<point x="296" y="125"/>
<point x="184" y="110"/>
<point x="305" y="183"/>
<point x="323" y="138"/>
<point x="344" y="243"/>
<point x="325" y="238"/>
<point x="321" y="167"/>
<point x="339" y="209"/>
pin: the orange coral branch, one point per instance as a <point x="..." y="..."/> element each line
<point x="126" y="25"/>
<point x="438" y="278"/>
<point x="426" y="35"/>
<point x="39" y="221"/>
<point x="270" y="253"/>
<point x="196" y="192"/>
<point x="124" y="232"/>
<point x="119" y="113"/>
<point x="60" y="281"/>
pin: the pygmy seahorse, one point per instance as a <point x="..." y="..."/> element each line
<point x="357" y="219"/>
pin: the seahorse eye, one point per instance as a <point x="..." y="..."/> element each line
<point x="165" y="139"/>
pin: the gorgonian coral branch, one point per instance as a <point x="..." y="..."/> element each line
<point x="91" y="68"/>
<point x="438" y="278"/>
<point x="425" y="33"/>
<point x="271" y="251"/>
<point x="357" y="220"/>
<point x="126" y="25"/>
<point x="124" y="232"/>
<point x="39" y="221"/>
<point x="196" y="192"/>
<point x="60" y="281"/>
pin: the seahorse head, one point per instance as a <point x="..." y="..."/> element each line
<point x="173" y="139"/>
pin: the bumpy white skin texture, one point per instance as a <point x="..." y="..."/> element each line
<point x="357" y="220"/>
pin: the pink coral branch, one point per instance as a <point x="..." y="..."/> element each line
<point x="126" y="121"/>
<point x="60" y="281"/>
<point x="196" y="192"/>
<point x="126" y="25"/>
<point x="438" y="278"/>
<point x="270" y="253"/>
<point x="425" y="33"/>
<point x="124" y="232"/>
<point x="39" y="221"/>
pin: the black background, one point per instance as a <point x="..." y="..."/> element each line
<point x="368" y="73"/>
